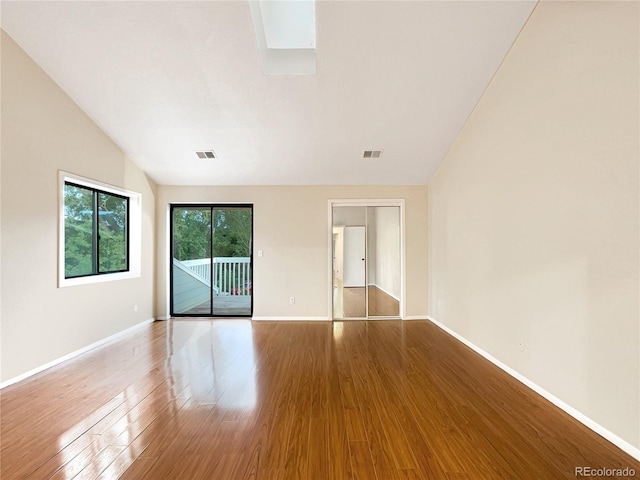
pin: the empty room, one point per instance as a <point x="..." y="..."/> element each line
<point x="269" y="239"/>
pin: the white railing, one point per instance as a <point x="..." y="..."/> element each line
<point x="200" y="266"/>
<point x="231" y="275"/>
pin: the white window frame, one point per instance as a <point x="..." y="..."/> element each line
<point x="135" y="232"/>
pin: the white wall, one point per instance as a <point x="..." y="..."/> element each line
<point x="534" y="213"/>
<point x="371" y="245"/>
<point x="354" y="254"/>
<point x="43" y="131"/>
<point x="387" y="228"/>
<point x="291" y="227"/>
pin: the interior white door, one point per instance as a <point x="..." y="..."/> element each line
<point x="354" y="259"/>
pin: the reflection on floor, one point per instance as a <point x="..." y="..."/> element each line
<point x="224" y="306"/>
<point x="235" y="399"/>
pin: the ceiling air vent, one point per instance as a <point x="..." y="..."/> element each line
<point x="206" y="154"/>
<point x="372" y="154"/>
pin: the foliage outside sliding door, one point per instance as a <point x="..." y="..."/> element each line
<point x="211" y="271"/>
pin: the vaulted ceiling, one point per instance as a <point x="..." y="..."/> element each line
<point x="164" y="79"/>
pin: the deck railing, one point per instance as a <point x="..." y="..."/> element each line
<point x="231" y="275"/>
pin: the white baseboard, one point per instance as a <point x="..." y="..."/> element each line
<point x="69" y="356"/>
<point x="291" y="319"/>
<point x="373" y="319"/>
<point x="596" y="427"/>
<point x="163" y="318"/>
<point x="416" y="317"/>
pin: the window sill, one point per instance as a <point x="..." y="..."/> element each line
<point x="106" y="277"/>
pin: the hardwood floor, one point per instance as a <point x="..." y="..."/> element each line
<point x="232" y="399"/>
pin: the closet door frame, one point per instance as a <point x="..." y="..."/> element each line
<point x="332" y="203"/>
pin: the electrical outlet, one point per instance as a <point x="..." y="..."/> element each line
<point x="292" y="300"/>
<point x="135" y="307"/>
<point x="521" y="346"/>
<point x="260" y="253"/>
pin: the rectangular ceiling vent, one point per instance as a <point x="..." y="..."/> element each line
<point x="206" y="154"/>
<point x="372" y="154"/>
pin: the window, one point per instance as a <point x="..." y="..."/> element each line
<point x="99" y="232"/>
<point x="96" y="226"/>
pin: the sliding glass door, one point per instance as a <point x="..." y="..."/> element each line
<point x="232" y="275"/>
<point x="211" y="270"/>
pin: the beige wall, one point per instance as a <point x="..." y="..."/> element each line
<point x="387" y="250"/>
<point x="43" y="131"/>
<point x="534" y="214"/>
<point x="291" y="227"/>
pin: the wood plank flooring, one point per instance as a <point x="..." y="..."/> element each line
<point x="232" y="399"/>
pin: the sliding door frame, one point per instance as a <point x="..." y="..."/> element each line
<point x="212" y="207"/>
<point x="367" y="203"/>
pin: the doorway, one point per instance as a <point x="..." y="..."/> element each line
<point x="367" y="261"/>
<point x="211" y="260"/>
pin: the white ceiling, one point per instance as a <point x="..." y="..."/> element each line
<point x="163" y="79"/>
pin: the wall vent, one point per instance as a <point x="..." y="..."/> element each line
<point x="372" y="154"/>
<point x="205" y="154"/>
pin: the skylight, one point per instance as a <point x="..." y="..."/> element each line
<point x="289" y="24"/>
<point x="286" y="35"/>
